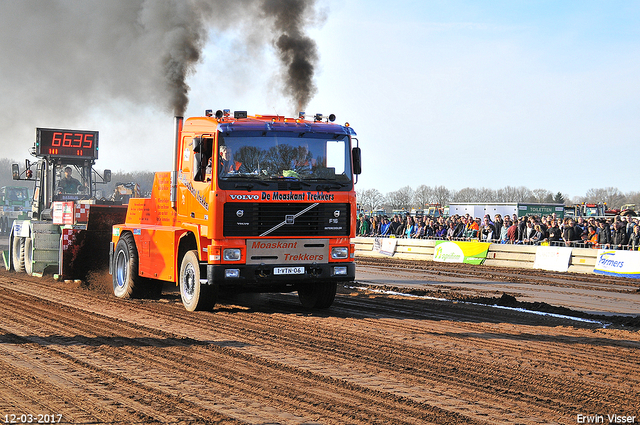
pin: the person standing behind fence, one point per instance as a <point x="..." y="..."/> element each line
<point x="385" y="227"/>
<point x="619" y="233"/>
<point x="592" y="237"/>
<point x="408" y="230"/>
<point x="365" y="226"/>
<point x="538" y="235"/>
<point x="634" y="239"/>
<point x="512" y="232"/>
<point x="555" y="235"/>
<point x="504" y="229"/>
<point x="528" y="232"/>
<point x="571" y="233"/>
<point x="604" y="234"/>
<point x="394" y="225"/>
<point x="497" y="224"/>
<point x="488" y="230"/>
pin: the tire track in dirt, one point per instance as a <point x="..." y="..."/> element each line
<point x="373" y="406"/>
<point x="369" y="359"/>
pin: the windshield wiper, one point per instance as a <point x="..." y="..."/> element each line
<point x="290" y="179"/>
<point x="249" y="186"/>
<point x="252" y="177"/>
<point x="333" y="185"/>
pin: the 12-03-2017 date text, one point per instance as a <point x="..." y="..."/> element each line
<point x="28" y="418"/>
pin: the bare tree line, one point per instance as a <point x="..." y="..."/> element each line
<point x="407" y="198"/>
<point x="403" y="198"/>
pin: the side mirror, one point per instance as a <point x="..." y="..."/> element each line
<point x="107" y="176"/>
<point x="15" y="171"/>
<point x="357" y="160"/>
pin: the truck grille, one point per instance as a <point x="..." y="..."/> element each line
<point x="250" y="219"/>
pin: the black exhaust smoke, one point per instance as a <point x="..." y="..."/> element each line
<point x="298" y="53"/>
<point x="139" y="51"/>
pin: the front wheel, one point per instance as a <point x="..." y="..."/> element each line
<point x="195" y="295"/>
<point x="317" y="294"/>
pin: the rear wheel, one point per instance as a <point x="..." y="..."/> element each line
<point x="126" y="282"/>
<point x="28" y="256"/>
<point x="195" y="295"/>
<point x="318" y="295"/>
<point x="17" y="253"/>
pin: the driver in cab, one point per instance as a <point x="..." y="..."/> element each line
<point x="68" y="183"/>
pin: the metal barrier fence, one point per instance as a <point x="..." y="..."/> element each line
<point x="582" y="260"/>
<point x="573" y="244"/>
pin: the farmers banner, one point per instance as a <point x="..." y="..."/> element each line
<point x="553" y="258"/>
<point x="460" y="252"/>
<point x="618" y="263"/>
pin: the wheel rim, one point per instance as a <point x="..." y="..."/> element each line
<point x="189" y="282"/>
<point x="121" y="269"/>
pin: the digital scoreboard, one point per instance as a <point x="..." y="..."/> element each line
<point x="66" y="143"/>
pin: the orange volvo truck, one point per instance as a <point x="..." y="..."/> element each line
<point x="254" y="204"/>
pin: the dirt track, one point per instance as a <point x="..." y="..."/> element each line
<point x="78" y="352"/>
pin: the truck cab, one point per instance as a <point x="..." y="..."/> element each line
<point x="254" y="204"/>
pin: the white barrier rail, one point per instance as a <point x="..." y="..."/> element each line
<point x="582" y="260"/>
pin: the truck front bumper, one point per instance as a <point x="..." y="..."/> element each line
<point x="264" y="277"/>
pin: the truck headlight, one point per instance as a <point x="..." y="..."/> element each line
<point x="231" y="254"/>
<point x="339" y="252"/>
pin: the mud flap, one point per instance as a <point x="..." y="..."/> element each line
<point x="83" y="250"/>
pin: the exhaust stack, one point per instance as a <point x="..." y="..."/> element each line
<point x="177" y="128"/>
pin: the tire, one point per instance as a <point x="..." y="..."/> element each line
<point x="194" y="294"/>
<point x="28" y="256"/>
<point x="126" y="282"/>
<point x="17" y="252"/>
<point x="318" y="295"/>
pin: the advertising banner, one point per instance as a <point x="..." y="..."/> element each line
<point x="460" y="252"/>
<point x="385" y="246"/>
<point x="618" y="263"/>
<point x="553" y="258"/>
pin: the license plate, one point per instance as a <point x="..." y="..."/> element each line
<point x="288" y="270"/>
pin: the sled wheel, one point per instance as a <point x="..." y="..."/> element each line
<point x="28" y="256"/>
<point x="17" y="250"/>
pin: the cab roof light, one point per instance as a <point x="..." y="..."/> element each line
<point x="301" y="115"/>
<point x="226" y="112"/>
<point x="208" y="113"/>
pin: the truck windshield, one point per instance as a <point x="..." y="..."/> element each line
<point x="17" y="194"/>
<point x="71" y="182"/>
<point x="251" y="155"/>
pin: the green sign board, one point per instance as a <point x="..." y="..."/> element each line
<point x="541" y="209"/>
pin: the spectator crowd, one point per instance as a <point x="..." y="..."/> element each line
<point x="618" y="232"/>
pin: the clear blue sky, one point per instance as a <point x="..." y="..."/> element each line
<point x="453" y="93"/>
